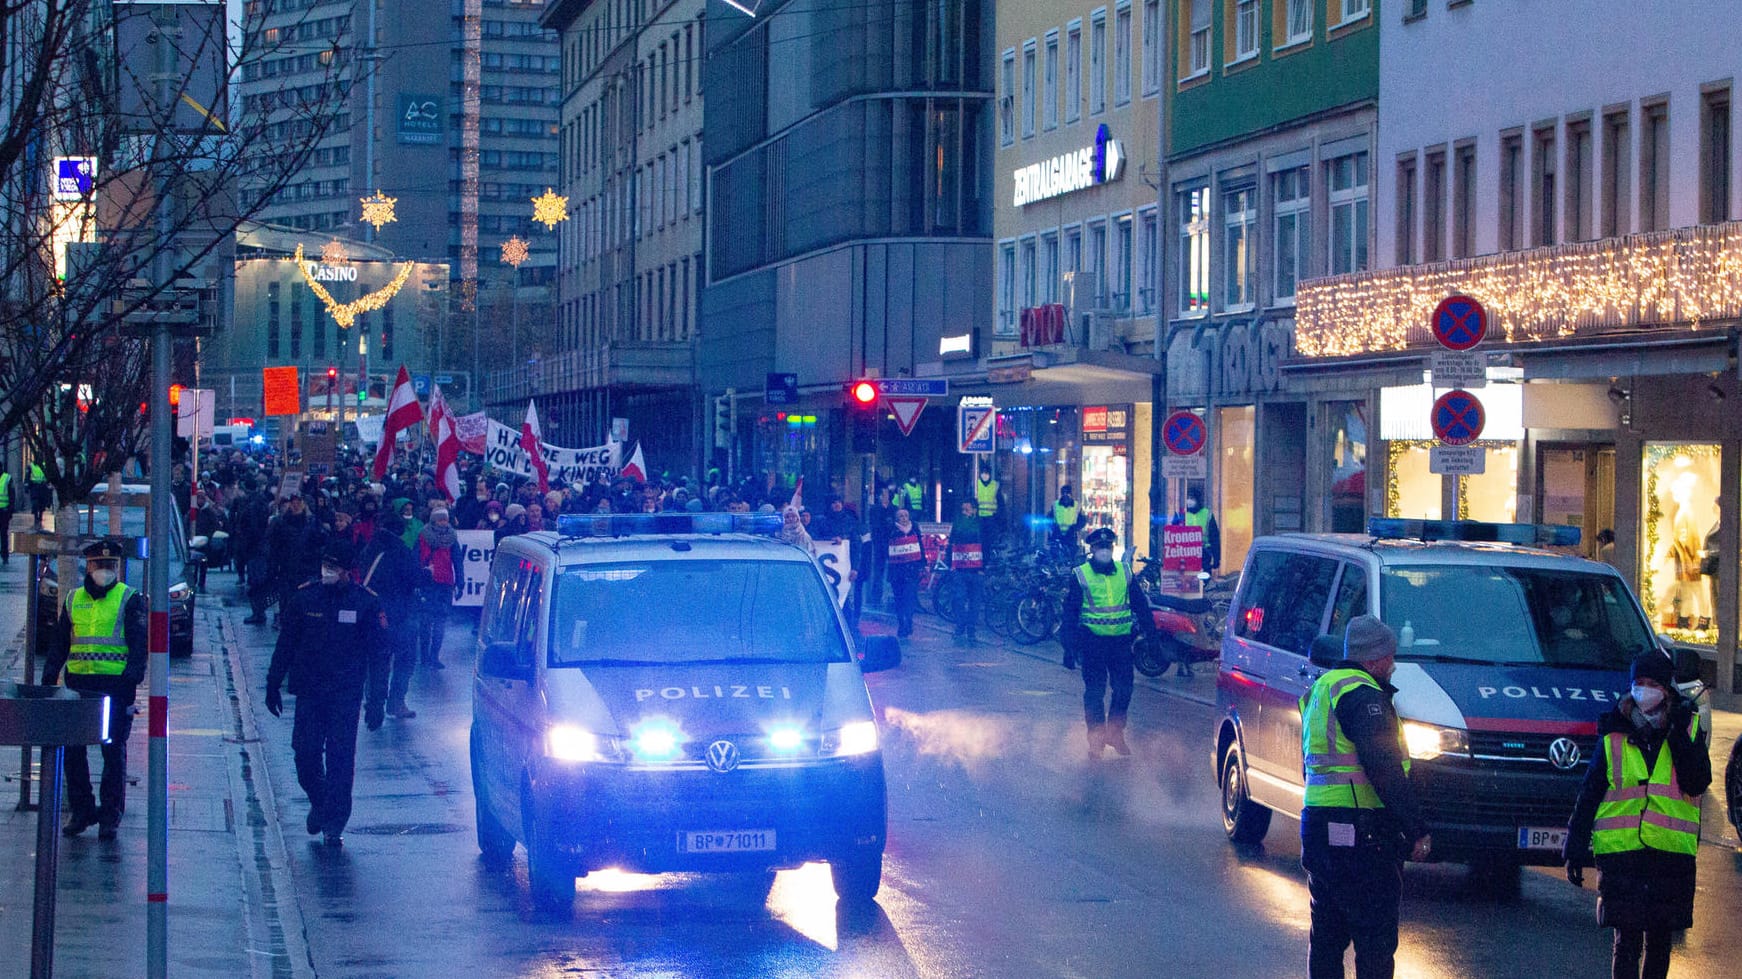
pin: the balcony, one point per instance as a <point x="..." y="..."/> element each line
<point x="623" y="365"/>
<point x="1646" y="284"/>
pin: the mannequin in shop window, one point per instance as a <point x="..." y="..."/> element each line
<point x="1709" y="564"/>
<point x="1685" y="601"/>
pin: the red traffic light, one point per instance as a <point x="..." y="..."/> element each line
<point x="863" y="393"/>
<point x="332" y="373"/>
<point x="175" y="395"/>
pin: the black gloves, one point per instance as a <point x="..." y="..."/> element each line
<point x="274" y="702"/>
<point x="1576" y="855"/>
<point x="373" y="716"/>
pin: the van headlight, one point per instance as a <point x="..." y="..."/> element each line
<point x="565" y="742"/>
<point x="1429" y="741"/>
<point x="855" y="738"/>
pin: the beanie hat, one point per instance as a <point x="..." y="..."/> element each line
<point x="1654" y="666"/>
<point x="514" y="510"/>
<point x="1368" y="640"/>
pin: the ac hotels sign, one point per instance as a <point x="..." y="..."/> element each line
<point x="1070" y="172"/>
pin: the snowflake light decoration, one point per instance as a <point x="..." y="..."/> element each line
<point x="333" y="253"/>
<point x="378" y="210"/>
<point x="515" y="251"/>
<point x="550" y="208"/>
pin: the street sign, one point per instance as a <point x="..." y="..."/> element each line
<point x="75" y="177"/>
<point x="1457" y="460"/>
<point x="781" y="389"/>
<point x="1459" y="323"/>
<point x="283" y="396"/>
<point x="1184" y="433"/>
<point x="1459" y="368"/>
<point x="930" y="387"/>
<point x="1184" y="467"/>
<point x="905" y="410"/>
<point x="976" y="425"/>
<point x="420" y="385"/>
<point x="1458" y="418"/>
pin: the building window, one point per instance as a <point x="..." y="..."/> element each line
<point x="272" y="325"/>
<point x="1029" y="101"/>
<point x="1464" y="201"/>
<point x="1654" y="165"/>
<point x="1406" y="210"/>
<point x="1348" y="204"/>
<point x="1578" y="180"/>
<point x="1120" y="264"/>
<point x="1299" y="14"/>
<point x="1122" y="54"/>
<point x="1049" y="267"/>
<point x="1194" y="251"/>
<point x="1414" y="9"/>
<point x="1097" y="262"/>
<point x="1074" y="71"/>
<point x="1148" y="260"/>
<point x="1617" y="170"/>
<point x="1433" y="207"/>
<point x="1245" y="29"/>
<point x="1197" y="59"/>
<point x="1511" y="192"/>
<point x="1098" y="62"/>
<point x="1073" y="249"/>
<point x="1007" y="99"/>
<point x="1291" y="209"/>
<point x="1715" y="156"/>
<point x="1006" y="289"/>
<point x="1355" y="10"/>
<point x="1151" y="46"/>
<point x="1025" y="262"/>
<point x="1240" y="224"/>
<point x="1050" y="82"/>
<point x="1542" y="182"/>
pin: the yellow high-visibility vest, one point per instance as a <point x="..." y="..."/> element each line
<point x="1334" y="776"/>
<point x="1106" y="601"/>
<point x="99" y="646"/>
<point x="1645" y="810"/>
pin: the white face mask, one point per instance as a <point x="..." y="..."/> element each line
<point x="1646" y="697"/>
<point x="331" y="576"/>
<point x="103" y="577"/>
<point x="1102" y="555"/>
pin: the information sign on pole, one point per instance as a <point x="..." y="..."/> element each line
<point x="1184" y="434"/>
<point x="1457" y="460"/>
<point x="1458" y="368"/>
<point x="976" y="425"/>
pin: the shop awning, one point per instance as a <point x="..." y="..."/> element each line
<point x="1067" y="376"/>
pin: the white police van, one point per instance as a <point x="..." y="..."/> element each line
<point x="1507" y="656"/>
<point x="664" y="692"/>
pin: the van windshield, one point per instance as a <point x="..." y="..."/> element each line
<point x="666" y="612"/>
<point x="1513" y="616"/>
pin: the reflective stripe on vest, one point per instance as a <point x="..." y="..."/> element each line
<point x="986" y="496"/>
<point x="966" y="556"/>
<point x="1645" y="810"/>
<point x="905" y="549"/>
<point x="1064" y="517"/>
<point x="99" y="646"/>
<point x="5" y="490"/>
<point x="1334" y="776"/>
<point x="1106" y="601"/>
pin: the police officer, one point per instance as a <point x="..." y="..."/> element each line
<point x="1102" y="609"/>
<point x="1067" y="517"/>
<point x="7" y="505"/>
<point x="1361" y="817"/>
<point x="101" y="642"/>
<point x="332" y="647"/>
<point x="911" y="495"/>
<point x="41" y="494"/>
<point x="986" y="506"/>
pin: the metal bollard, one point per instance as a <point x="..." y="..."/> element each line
<point x="47" y="863"/>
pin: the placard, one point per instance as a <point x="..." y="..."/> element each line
<point x="283" y="393"/>
<point x="836" y="560"/>
<point x="477" y="550"/>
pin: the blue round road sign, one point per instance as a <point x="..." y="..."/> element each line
<point x="1458" y="418"/>
<point x="1184" y="433"/>
<point x="1459" y="323"/>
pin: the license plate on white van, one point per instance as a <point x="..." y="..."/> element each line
<point x="726" y="841"/>
<point x="1541" y="837"/>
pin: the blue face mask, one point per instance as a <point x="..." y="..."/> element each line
<point x="1648" y="698"/>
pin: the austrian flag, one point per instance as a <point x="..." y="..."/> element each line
<point x="403" y="413"/>
<point x="530" y="442"/>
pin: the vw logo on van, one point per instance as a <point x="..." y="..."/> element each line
<point x="723" y="756"/>
<point x="1564" y="754"/>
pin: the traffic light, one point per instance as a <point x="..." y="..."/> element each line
<point x="332" y="379"/>
<point x="863" y="394"/>
<point x="862" y="415"/>
<point x="175" y="395"/>
<point x="722" y="422"/>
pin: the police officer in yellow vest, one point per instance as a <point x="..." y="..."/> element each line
<point x="1103" y="609"/>
<point x="8" y="503"/>
<point x="41" y="494"/>
<point x="1361" y="817"/>
<point x="1067" y="517"/>
<point x="101" y="642"/>
<point x="1638" y="814"/>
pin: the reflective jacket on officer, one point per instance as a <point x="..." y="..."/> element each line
<point x="102" y="637"/>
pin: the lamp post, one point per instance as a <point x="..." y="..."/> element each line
<point x="515" y="252"/>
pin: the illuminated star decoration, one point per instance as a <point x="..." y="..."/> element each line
<point x="378" y="210"/>
<point x="345" y="314"/>
<point x="333" y="253"/>
<point x="550" y="209"/>
<point x="515" y="251"/>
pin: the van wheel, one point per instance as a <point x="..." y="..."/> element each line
<point x="1243" y="820"/>
<point x="549" y="876"/>
<point x="857" y="877"/>
<point x="495" y="844"/>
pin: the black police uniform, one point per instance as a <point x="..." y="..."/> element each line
<point x="332" y="648"/>
<point x="1356" y="890"/>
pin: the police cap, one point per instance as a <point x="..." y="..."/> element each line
<point x="1102" y="536"/>
<point x="339" y="554"/>
<point x="100" y="549"/>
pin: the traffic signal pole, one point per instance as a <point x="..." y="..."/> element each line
<point x="157" y="542"/>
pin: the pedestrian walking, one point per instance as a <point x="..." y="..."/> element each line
<point x="332" y="650"/>
<point x="100" y="640"/>
<point x="967" y="569"/>
<point x="792" y="530"/>
<point x="906" y="562"/>
<point x="293" y="546"/>
<point x="8" y="502"/>
<point x="881" y="522"/>
<point x="1361" y="817"/>
<point x="1638" y="818"/>
<point x="389" y="569"/>
<point x="1103" y="610"/>
<point x="440" y="557"/>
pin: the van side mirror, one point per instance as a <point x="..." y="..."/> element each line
<point x="1327" y="652"/>
<point x="878" y="653"/>
<point x="501" y="659"/>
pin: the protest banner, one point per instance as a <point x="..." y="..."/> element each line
<point x="503" y="453"/>
<point x="477" y="550"/>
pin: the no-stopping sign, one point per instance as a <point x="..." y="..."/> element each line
<point x="1459" y="323"/>
<point x="1458" y="418"/>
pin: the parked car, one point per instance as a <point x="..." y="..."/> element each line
<point x="181" y="591"/>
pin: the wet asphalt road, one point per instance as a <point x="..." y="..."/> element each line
<point x="1008" y="856"/>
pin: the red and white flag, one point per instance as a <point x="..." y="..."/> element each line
<point x="636" y="467"/>
<point x="444" y="432"/>
<point x="403" y="413"/>
<point x="530" y="443"/>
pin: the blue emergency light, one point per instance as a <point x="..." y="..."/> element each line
<point x="1474" y="531"/>
<point x="638" y="524"/>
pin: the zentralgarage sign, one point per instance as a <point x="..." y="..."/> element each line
<point x="1077" y="170"/>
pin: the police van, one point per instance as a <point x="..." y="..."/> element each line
<point x="1507" y="654"/>
<point x="666" y="692"/>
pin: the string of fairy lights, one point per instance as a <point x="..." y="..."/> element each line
<point x="1689" y="277"/>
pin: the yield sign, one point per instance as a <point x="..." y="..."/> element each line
<point x="906" y="410"/>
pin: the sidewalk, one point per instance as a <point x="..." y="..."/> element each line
<point x="223" y="918"/>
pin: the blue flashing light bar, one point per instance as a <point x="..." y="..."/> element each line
<point x="638" y="524"/>
<point x="1527" y="534"/>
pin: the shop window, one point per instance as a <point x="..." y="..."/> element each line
<point x="1105" y="488"/>
<point x="1412" y="489"/>
<point x="1679" y="559"/>
<point x="1234" y="477"/>
<point x="1348" y="449"/>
